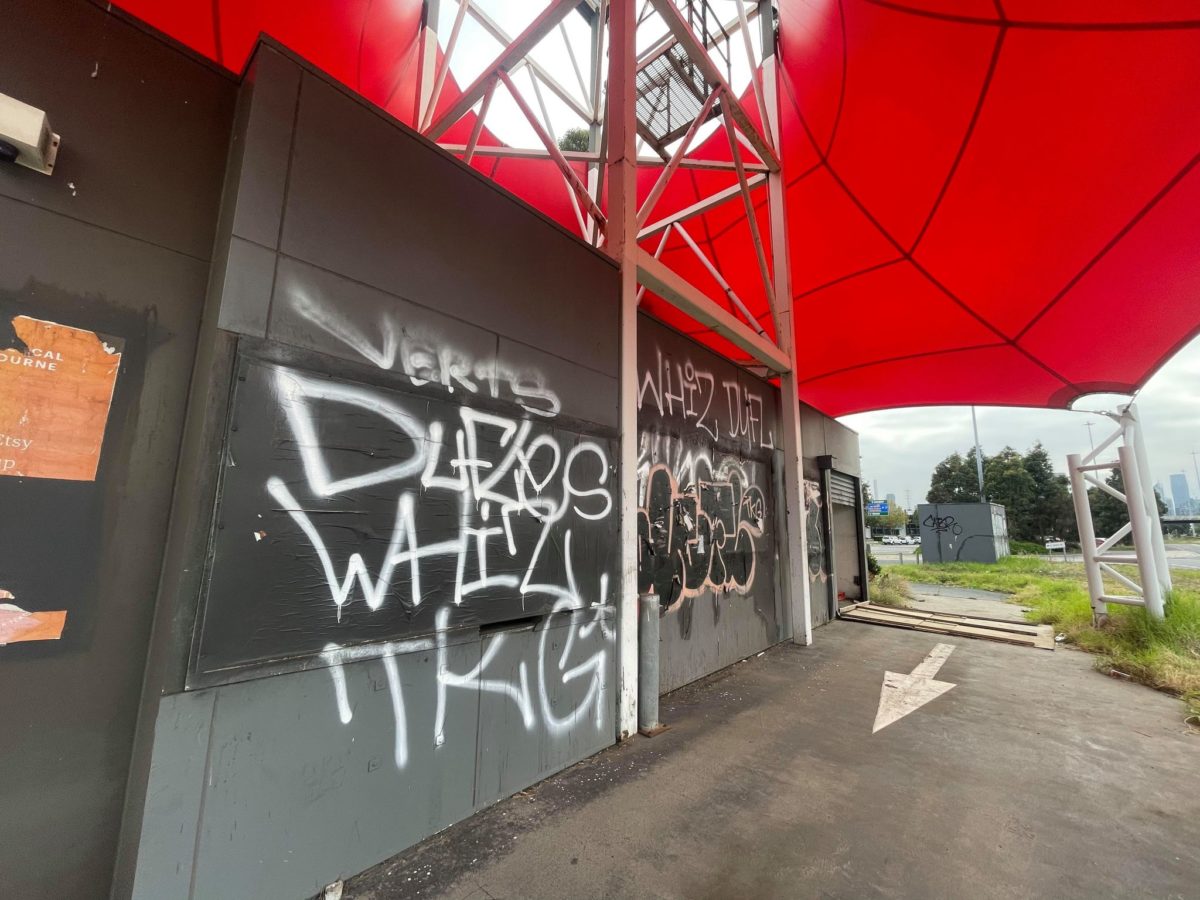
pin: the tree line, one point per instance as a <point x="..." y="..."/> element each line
<point x="1037" y="499"/>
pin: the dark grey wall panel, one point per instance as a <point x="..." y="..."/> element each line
<point x="370" y="217"/>
<point x="313" y="776"/>
<point x="335" y="315"/>
<point x="254" y="192"/>
<point x="270" y="93"/>
<point x="116" y="241"/>
<point x="354" y="513"/>
<point x="383" y="330"/>
<point x="706" y="493"/>
<point x="143" y="127"/>
<point x="569" y="663"/>
<point x="579" y="393"/>
<point x="823" y="436"/>
<point x="246" y="278"/>
<point x="183" y="744"/>
<point x="303" y="787"/>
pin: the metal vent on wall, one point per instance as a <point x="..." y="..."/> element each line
<point x="842" y="489"/>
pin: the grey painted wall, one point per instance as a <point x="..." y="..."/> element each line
<point x="963" y="532"/>
<point x="405" y="477"/>
<point x="118" y="242"/>
<point x="707" y="531"/>
<point x="834" y="544"/>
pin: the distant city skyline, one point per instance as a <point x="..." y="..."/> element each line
<point x="1181" y="495"/>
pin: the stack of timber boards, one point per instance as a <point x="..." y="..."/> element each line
<point x="1041" y="636"/>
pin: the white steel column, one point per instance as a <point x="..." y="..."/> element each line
<point x="1142" y="540"/>
<point x="797" y="585"/>
<point x="621" y="244"/>
<point x="1087" y="537"/>
<point x="1143" y="525"/>
<point x="1132" y="423"/>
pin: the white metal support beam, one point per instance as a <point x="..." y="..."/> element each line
<point x="592" y="158"/>
<point x="444" y="70"/>
<point x="573" y="180"/>
<point x="1142" y="540"/>
<point x="798" y="588"/>
<point x="676" y="159"/>
<point x="730" y="105"/>
<point x="660" y="278"/>
<point x="621" y="129"/>
<point x="1133" y="435"/>
<point x="703" y="205"/>
<point x="491" y="27"/>
<point x="751" y="217"/>
<point x="719" y="279"/>
<point x="427" y="57"/>
<point x="512" y="53"/>
<point x="1144" y="525"/>
<point x="748" y="43"/>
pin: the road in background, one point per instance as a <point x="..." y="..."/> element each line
<point x="1179" y="556"/>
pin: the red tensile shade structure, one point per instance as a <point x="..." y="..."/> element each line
<point x="989" y="201"/>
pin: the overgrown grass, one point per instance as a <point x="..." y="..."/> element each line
<point x="1164" y="654"/>
<point x="890" y="589"/>
<point x="1026" y="547"/>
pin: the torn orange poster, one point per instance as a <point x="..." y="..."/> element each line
<point x="18" y="624"/>
<point x="55" y="395"/>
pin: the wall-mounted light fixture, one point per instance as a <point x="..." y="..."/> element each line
<point x="26" y="137"/>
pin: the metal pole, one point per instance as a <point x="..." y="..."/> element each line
<point x="1142" y="541"/>
<point x="798" y="586"/>
<point x="1134" y="430"/>
<point x="1087" y="538"/>
<point x="978" y="455"/>
<point x="1091" y="440"/>
<point x="649" y="612"/>
<point x="622" y="246"/>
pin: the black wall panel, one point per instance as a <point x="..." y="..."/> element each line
<point x="117" y="242"/>
<point x="352" y="513"/>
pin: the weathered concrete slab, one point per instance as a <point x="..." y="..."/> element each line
<point x="1035" y="777"/>
<point x="965" y="602"/>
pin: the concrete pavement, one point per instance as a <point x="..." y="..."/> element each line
<point x="1035" y="776"/>
<point x="944" y="598"/>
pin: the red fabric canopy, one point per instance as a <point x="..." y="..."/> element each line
<point x="989" y="201"/>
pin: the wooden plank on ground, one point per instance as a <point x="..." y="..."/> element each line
<point x="1039" y="636"/>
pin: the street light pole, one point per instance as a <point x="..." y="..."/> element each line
<point x="978" y="454"/>
<point x="1091" y="440"/>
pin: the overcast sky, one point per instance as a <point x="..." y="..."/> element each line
<point x="900" y="447"/>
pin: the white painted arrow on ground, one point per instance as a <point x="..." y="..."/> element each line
<point x="901" y="694"/>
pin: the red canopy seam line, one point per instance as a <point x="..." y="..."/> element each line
<point x="1034" y="24"/>
<point x="216" y="26"/>
<point x="837" y="116"/>
<point x="904" y="358"/>
<point x="962" y="148"/>
<point x="1129" y="226"/>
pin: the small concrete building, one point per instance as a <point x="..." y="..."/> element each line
<point x="963" y="532"/>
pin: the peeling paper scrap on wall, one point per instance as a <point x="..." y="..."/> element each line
<point x="18" y="624"/>
<point x="56" y="389"/>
